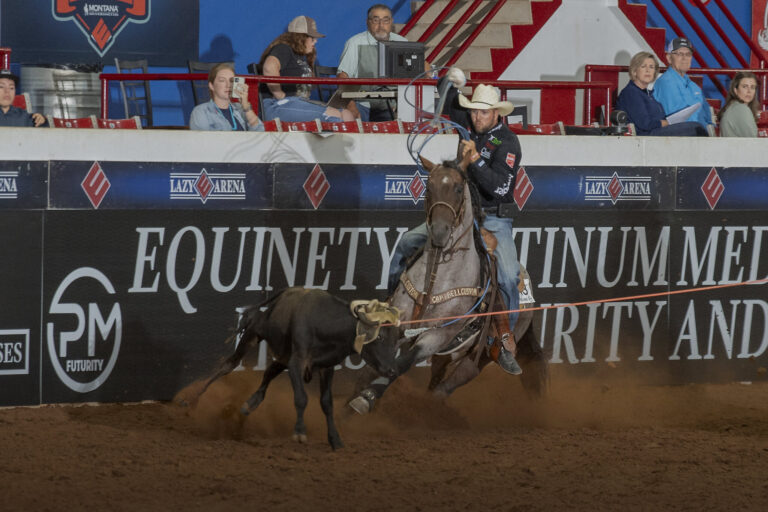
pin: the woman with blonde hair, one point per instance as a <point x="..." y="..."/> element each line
<point x="641" y="107"/>
<point x="293" y="53"/>
<point x="738" y="116"/>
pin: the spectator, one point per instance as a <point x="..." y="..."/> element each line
<point x="643" y="110"/>
<point x="293" y="53"/>
<point x="738" y="116"/>
<point x="360" y="59"/>
<point x="220" y="113"/>
<point x="674" y="89"/>
<point x="10" y="115"/>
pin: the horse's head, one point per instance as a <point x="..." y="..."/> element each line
<point x="445" y="198"/>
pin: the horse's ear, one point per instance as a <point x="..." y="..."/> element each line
<point x="428" y="166"/>
<point x="465" y="161"/>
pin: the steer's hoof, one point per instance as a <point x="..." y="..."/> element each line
<point x="299" y="438"/>
<point x="245" y="410"/>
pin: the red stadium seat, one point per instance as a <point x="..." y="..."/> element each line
<point x="343" y="127"/>
<point x="539" y="129"/>
<point x="383" y="127"/>
<point x="77" y="122"/>
<point x="272" y="126"/>
<point x="133" y="123"/>
<point x="22" y="101"/>
<point x="302" y="126"/>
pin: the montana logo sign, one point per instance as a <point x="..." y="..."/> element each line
<point x="101" y="20"/>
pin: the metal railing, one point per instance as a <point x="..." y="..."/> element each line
<point x="416" y="17"/>
<point x="255" y="80"/>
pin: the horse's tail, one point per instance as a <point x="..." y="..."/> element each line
<point x="533" y="359"/>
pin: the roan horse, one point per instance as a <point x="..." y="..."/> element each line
<point x="454" y="273"/>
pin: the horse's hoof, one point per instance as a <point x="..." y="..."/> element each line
<point x="360" y="405"/>
<point x="336" y="444"/>
<point x="299" y="438"/>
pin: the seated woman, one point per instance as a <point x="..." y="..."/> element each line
<point x="293" y="54"/>
<point x="643" y="110"/>
<point x="738" y="116"/>
<point x="220" y="113"/>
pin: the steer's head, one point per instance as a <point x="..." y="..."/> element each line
<point x="382" y="333"/>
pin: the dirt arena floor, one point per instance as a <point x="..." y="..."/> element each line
<point x="589" y="446"/>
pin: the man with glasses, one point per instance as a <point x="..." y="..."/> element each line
<point x="674" y="89"/>
<point x="360" y="59"/>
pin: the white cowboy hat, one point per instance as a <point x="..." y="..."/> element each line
<point x="486" y="97"/>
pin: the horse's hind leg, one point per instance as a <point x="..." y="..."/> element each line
<point x="272" y="371"/>
<point x="533" y="360"/>
<point x="326" y="402"/>
<point x="464" y="371"/>
<point x="438" y="369"/>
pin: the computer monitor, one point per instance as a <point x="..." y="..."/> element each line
<point x="400" y="59"/>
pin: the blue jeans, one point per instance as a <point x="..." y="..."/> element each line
<point x="508" y="267"/>
<point x="295" y="109"/>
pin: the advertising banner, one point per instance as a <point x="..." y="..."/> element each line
<point x="98" y="31"/>
<point x="23" y="185"/>
<point x="160" y="185"/>
<point x="21" y="254"/>
<point x="138" y="304"/>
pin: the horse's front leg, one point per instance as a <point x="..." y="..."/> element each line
<point x="426" y="345"/>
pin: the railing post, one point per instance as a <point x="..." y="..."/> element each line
<point x="104" y="98"/>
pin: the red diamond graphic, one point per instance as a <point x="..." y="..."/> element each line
<point x="712" y="188"/>
<point x="203" y="185"/>
<point x="416" y="187"/>
<point x="95" y="184"/>
<point x="523" y="188"/>
<point x="615" y="188"/>
<point x="316" y="186"/>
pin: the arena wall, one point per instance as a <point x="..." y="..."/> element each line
<point x="127" y="253"/>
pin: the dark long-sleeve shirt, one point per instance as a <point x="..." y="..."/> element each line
<point x="15" y="117"/>
<point x="642" y="108"/>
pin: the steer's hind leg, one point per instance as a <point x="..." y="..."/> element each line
<point x="326" y="402"/>
<point x="229" y="364"/>
<point x="272" y="371"/>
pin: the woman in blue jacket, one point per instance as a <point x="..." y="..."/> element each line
<point x="643" y="110"/>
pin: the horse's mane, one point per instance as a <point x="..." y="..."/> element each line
<point x="477" y="214"/>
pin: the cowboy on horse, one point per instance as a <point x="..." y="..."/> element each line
<point x="494" y="155"/>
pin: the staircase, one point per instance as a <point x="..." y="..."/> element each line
<point x="637" y="14"/>
<point x="510" y="30"/>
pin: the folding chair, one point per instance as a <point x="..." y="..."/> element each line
<point x="200" y="91"/>
<point x="134" y="102"/>
<point x="325" y="91"/>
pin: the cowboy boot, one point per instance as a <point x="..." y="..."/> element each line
<point x="503" y="357"/>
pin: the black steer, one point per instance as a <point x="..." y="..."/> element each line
<point x="306" y="330"/>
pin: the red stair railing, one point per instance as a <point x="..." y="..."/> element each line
<point x="755" y="49"/>
<point x="436" y="22"/>
<point x="416" y="17"/>
<point x="452" y="32"/>
<point x="480" y="27"/>
<point x="727" y="40"/>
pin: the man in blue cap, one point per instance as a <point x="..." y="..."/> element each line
<point x="675" y="90"/>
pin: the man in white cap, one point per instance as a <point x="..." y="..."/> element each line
<point x="674" y="89"/>
<point x="10" y="115"/>
<point x="495" y="156"/>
